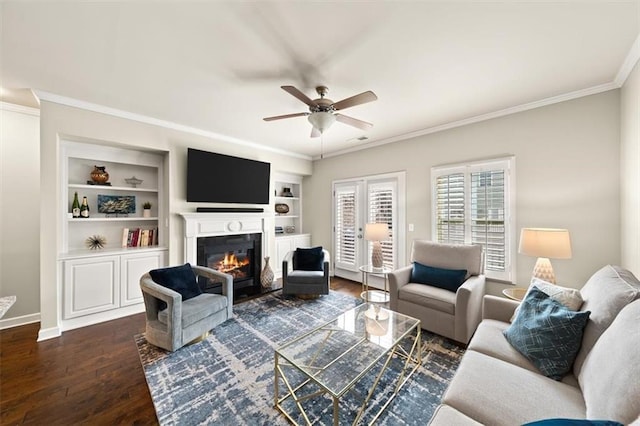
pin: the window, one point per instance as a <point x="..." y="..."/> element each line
<point x="474" y="204"/>
<point x="381" y="200"/>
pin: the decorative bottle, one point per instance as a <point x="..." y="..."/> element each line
<point x="84" y="209"/>
<point x="75" y="207"/>
<point x="266" y="276"/>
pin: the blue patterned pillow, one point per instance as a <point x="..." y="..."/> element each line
<point x="448" y="279"/>
<point x="573" y="422"/>
<point x="547" y="333"/>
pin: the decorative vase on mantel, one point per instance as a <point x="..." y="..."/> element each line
<point x="266" y="276"/>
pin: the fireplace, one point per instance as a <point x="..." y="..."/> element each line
<point x="238" y="255"/>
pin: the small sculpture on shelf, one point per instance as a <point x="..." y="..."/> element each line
<point x="286" y="192"/>
<point x="99" y="176"/>
<point x="95" y="242"/>
<point x="282" y="208"/>
<point x="133" y="181"/>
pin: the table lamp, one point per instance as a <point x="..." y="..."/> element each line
<point x="545" y="243"/>
<point x="376" y="232"/>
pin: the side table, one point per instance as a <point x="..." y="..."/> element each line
<point x="374" y="296"/>
<point x="515" y="293"/>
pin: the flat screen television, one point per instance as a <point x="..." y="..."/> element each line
<point x="218" y="178"/>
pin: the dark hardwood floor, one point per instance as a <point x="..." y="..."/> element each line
<point x="90" y="375"/>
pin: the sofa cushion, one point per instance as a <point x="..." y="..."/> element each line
<point x="449" y="416"/>
<point x="612" y="368"/>
<point x="429" y="297"/>
<point x="448" y="279"/>
<point x="178" y="278"/>
<point x="449" y="256"/>
<point x="607" y="291"/>
<point x="306" y="277"/>
<point x="308" y="259"/>
<point x="569" y="297"/>
<point x="494" y="392"/>
<point x="197" y="308"/>
<point x="490" y="340"/>
<point x="547" y="333"/>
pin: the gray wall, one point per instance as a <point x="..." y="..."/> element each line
<point x="567" y="176"/>
<point x="19" y="211"/>
<point x="630" y="171"/>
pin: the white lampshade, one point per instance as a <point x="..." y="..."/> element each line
<point x="376" y="232"/>
<point x="545" y="243"/>
<point x="321" y="120"/>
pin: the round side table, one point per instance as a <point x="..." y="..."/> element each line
<point x="515" y="293"/>
<point x="374" y="296"/>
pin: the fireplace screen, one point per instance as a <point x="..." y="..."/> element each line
<point x="236" y="255"/>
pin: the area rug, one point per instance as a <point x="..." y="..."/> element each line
<point x="227" y="379"/>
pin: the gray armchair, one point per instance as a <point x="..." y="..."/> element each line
<point x="184" y="321"/>
<point x="455" y="315"/>
<point x="296" y="282"/>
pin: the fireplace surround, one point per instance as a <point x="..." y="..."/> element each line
<point x="233" y="243"/>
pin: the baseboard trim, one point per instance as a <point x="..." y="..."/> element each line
<point x="18" y="321"/>
<point x="49" y="333"/>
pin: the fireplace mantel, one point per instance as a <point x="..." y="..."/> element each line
<point x="216" y="224"/>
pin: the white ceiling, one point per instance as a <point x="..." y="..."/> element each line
<point x="218" y="66"/>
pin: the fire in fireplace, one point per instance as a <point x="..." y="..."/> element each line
<point x="236" y="255"/>
<point x="236" y="266"/>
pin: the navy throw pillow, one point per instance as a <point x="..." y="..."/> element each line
<point x="178" y="278"/>
<point x="448" y="279"/>
<point x="573" y="422"/>
<point x="308" y="259"/>
<point x="547" y="333"/>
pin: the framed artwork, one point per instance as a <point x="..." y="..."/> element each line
<point x="116" y="204"/>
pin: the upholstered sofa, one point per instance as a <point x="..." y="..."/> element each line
<point x="496" y="385"/>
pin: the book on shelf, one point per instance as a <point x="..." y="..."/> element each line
<point x="139" y="237"/>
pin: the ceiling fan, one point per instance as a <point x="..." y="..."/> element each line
<point x="323" y="110"/>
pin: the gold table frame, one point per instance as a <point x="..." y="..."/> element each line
<point x="412" y="361"/>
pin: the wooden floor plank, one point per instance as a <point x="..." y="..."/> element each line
<point x="91" y="375"/>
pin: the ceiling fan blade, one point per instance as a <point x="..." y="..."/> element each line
<point x="315" y="133"/>
<point x="362" y="98"/>
<point x="353" y="122"/>
<point x="298" y="94"/>
<point x="280" y="117"/>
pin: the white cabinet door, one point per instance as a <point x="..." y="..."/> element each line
<point x="91" y="285"/>
<point x="132" y="267"/>
<point x="283" y="246"/>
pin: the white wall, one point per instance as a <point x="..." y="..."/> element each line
<point x="630" y="171"/>
<point x="60" y="121"/>
<point x="567" y="161"/>
<point x="19" y="210"/>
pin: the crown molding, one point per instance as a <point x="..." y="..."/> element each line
<point x="478" y="118"/>
<point x="629" y="62"/>
<point x="6" y="106"/>
<point x="63" y="100"/>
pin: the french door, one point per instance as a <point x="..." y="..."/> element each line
<point x="356" y="202"/>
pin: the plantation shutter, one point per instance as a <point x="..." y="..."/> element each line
<point x="346" y="224"/>
<point x="471" y="205"/>
<point x="488" y="216"/>
<point x="382" y="199"/>
<point x="450" y="212"/>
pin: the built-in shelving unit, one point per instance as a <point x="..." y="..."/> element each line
<point x="103" y="284"/>
<point x="290" y="223"/>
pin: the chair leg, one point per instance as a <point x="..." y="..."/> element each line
<point x="199" y="339"/>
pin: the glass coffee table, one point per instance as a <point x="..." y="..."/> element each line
<point x="332" y="358"/>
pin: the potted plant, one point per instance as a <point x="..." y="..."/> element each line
<point x="146" y="212"/>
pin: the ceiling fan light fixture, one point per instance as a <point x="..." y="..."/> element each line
<point x="322" y="120"/>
